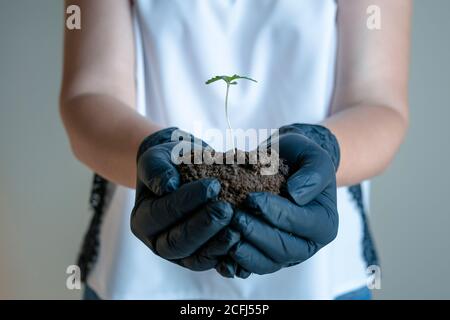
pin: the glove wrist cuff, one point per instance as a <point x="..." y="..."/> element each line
<point x="161" y="136"/>
<point x="320" y="135"/>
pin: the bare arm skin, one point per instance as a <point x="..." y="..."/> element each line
<point x="97" y="102"/>
<point x="369" y="113"/>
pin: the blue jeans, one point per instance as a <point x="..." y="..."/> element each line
<point x="90" y="294"/>
<point x="362" y="293"/>
<point x="358" y="294"/>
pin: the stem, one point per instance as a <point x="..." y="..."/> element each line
<point x="228" y="119"/>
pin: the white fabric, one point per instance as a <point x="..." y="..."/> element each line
<point x="289" y="46"/>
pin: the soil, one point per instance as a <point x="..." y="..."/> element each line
<point x="237" y="180"/>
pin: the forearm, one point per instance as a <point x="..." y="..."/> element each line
<point x="105" y="135"/>
<point x="369" y="136"/>
<point x="369" y="111"/>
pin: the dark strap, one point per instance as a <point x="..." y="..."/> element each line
<point x="90" y="247"/>
<point x="369" y="251"/>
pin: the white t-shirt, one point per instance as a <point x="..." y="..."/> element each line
<point x="289" y="46"/>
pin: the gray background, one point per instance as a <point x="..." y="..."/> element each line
<point x="44" y="190"/>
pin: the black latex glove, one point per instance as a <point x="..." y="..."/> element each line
<point x="282" y="231"/>
<point x="183" y="224"/>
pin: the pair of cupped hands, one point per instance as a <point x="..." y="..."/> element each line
<point x="187" y="224"/>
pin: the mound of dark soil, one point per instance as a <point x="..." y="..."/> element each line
<point x="237" y="180"/>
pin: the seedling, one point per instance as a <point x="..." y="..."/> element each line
<point x="229" y="80"/>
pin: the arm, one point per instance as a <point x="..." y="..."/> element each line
<point x="97" y="102"/>
<point x="369" y="113"/>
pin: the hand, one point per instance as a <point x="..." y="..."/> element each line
<point x="282" y="231"/>
<point x="183" y="224"/>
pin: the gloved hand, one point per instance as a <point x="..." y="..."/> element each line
<point x="281" y="231"/>
<point x="183" y="224"/>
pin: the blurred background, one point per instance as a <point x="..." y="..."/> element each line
<point x="44" y="190"/>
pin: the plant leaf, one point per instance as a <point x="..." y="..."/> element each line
<point x="216" y="78"/>
<point x="229" y="79"/>
<point x="248" y="78"/>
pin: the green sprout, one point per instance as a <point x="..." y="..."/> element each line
<point x="229" y="80"/>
